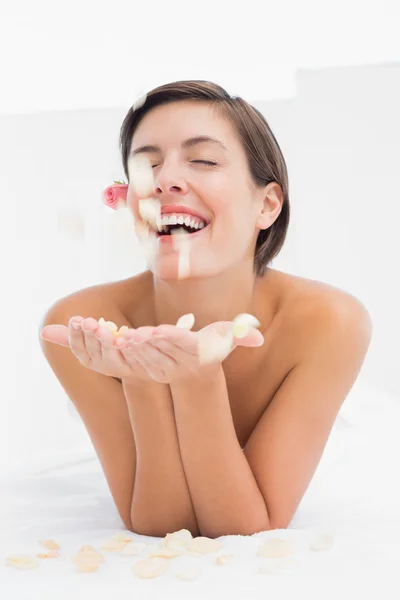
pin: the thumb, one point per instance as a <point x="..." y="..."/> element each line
<point x="252" y="339"/>
<point x="57" y="334"/>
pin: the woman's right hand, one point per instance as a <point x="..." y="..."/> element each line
<point x="94" y="346"/>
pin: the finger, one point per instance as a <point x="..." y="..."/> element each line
<point x="127" y="355"/>
<point x="141" y="334"/>
<point x="175" y="352"/>
<point x="154" y="372"/>
<point x="126" y="351"/>
<point x="77" y="341"/>
<point x="156" y="357"/>
<point x="57" y="334"/>
<point x="253" y="339"/>
<point x="152" y="356"/>
<point x="92" y="344"/>
<point x="184" y="339"/>
<point x="111" y="351"/>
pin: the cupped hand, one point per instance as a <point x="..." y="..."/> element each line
<point x="164" y="354"/>
<point x="94" y="345"/>
<point x="170" y="353"/>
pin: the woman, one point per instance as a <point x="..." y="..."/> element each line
<point x="227" y="447"/>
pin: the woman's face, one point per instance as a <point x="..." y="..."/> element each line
<point x="210" y="177"/>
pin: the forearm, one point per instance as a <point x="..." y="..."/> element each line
<point x="161" y="500"/>
<point x="225" y="494"/>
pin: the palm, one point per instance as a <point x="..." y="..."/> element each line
<point x="253" y="338"/>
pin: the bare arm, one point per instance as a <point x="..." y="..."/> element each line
<point x="237" y="492"/>
<point x="101" y="404"/>
<point x="161" y="500"/>
<point x="112" y="413"/>
<point x="226" y="497"/>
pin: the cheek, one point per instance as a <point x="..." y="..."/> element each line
<point x="222" y="199"/>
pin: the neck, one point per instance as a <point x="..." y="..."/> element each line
<point x="216" y="298"/>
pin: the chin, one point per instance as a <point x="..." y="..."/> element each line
<point x="170" y="273"/>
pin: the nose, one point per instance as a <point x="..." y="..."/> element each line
<point x="169" y="180"/>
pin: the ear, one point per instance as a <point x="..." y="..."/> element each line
<point x="271" y="205"/>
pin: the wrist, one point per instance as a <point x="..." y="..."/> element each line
<point x="201" y="378"/>
<point x="143" y="385"/>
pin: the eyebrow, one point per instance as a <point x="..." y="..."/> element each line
<point x="189" y="143"/>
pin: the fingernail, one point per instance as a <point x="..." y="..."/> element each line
<point x="75" y="326"/>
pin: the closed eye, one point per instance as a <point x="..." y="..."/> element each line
<point x="205" y="162"/>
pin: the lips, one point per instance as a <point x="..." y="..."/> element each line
<point x="182" y="209"/>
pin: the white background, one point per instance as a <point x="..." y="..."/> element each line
<point x="327" y="78"/>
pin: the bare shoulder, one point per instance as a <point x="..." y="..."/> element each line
<point x="311" y="309"/>
<point x="116" y="301"/>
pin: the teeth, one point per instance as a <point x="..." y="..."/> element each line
<point x="179" y="220"/>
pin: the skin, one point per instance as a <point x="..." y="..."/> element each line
<point x="221" y="283"/>
<point x="315" y="336"/>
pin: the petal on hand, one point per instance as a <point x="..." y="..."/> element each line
<point x="253" y="339"/>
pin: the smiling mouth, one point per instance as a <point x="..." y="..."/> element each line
<point x="167" y="229"/>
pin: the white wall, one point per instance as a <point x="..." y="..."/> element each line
<point x="340" y="136"/>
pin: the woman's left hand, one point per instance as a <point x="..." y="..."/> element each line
<point x="170" y="353"/>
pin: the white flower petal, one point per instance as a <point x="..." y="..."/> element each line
<point x="87" y="559"/>
<point x="141" y="177"/>
<point x="139" y="102"/>
<point x="321" y="542"/>
<point x="203" y="545"/>
<point x="150" y="211"/>
<point x="109" y="324"/>
<point x="171" y="551"/>
<point x="49" y="544"/>
<point x="150" y="568"/>
<point x="133" y="549"/>
<point x="224" y="559"/>
<point x="181" y="244"/>
<point x="185" y="321"/>
<point x="242" y="324"/>
<point x="275" y="548"/>
<point x="22" y="561"/>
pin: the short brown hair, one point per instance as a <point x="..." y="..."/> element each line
<point x="265" y="159"/>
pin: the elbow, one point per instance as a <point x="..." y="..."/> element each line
<point x="153" y="527"/>
<point x="278" y="524"/>
<point x="245" y="529"/>
<point x="255" y="523"/>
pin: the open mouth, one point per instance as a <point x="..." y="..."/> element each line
<point x="166" y="230"/>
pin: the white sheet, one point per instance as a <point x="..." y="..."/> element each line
<point x="354" y="495"/>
